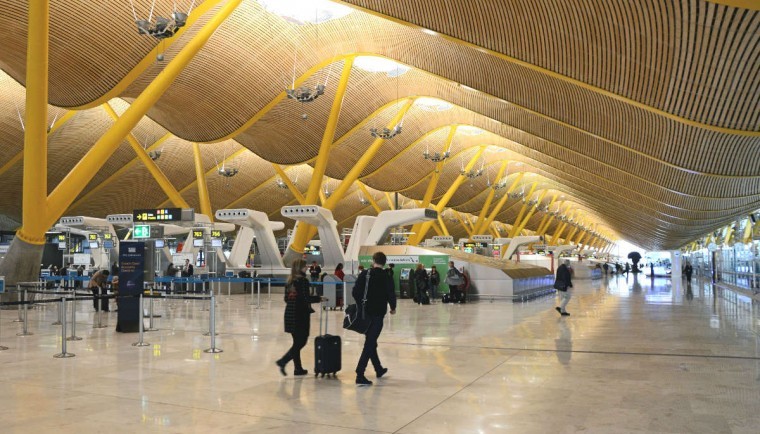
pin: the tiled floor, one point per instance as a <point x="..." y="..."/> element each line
<point x="634" y="356"/>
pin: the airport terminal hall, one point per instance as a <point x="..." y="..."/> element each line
<point x="376" y="216"/>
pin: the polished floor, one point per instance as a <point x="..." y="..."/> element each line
<point x="636" y="355"/>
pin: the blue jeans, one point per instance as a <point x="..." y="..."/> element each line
<point x="369" y="352"/>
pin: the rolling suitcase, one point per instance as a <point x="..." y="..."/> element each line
<point x="327" y="351"/>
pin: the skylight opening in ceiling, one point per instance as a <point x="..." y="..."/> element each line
<point x="380" y="64"/>
<point x="469" y="130"/>
<point x="432" y="104"/>
<point x="306" y="11"/>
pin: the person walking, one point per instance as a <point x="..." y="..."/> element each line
<point x="297" y="311"/>
<point x="563" y="283"/>
<point x="455" y="280"/>
<point x="380" y="293"/>
<point x="688" y="270"/>
<point x="98" y="288"/>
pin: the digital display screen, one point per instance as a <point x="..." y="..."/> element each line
<point x="108" y="244"/>
<point x="94" y="245"/>
<point x="157" y="215"/>
<point x="92" y="237"/>
<point x="107" y="236"/>
<point x="197" y="243"/>
<point x="62" y="246"/>
<point x="405" y="273"/>
<point x="216" y="243"/>
<point x="159" y="244"/>
<point x="197" y="233"/>
<point x="216" y="234"/>
<point x="61" y="237"/>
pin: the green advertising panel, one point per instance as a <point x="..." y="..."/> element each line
<point x="400" y="262"/>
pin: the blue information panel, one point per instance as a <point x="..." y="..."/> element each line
<point x="2" y="284"/>
<point x="131" y="278"/>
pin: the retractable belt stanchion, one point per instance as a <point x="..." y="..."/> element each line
<point x="251" y="303"/>
<point x="20" y="318"/>
<point x="229" y="289"/>
<point x="59" y="321"/>
<point x="258" y="294"/>
<point x="100" y="324"/>
<point x="63" y="354"/>
<point x="73" y="336"/>
<point x="150" y="312"/>
<point x="25" y="331"/>
<point x="212" y="327"/>
<point x="141" y="342"/>
<point x="269" y="288"/>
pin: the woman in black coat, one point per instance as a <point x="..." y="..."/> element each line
<point x="297" y="311"/>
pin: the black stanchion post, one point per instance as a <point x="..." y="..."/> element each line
<point x="63" y="354"/>
<point x="251" y="303"/>
<point x="25" y="330"/>
<point x="141" y="342"/>
<point x="269" y="288"/>
<point x="212" y="327"/>
<point x="73" y="336"/>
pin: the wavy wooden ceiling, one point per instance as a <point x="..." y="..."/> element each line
<point x="644" y="113"/>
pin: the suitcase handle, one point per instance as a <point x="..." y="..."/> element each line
<point x="322" y="309"/>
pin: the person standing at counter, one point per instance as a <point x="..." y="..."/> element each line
<point x="98" y="288"/>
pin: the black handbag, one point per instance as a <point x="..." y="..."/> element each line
<point x="355" y="317"/>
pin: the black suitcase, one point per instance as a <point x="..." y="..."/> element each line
<point x="327" y="351"/>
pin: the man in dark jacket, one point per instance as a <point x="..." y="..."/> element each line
<point x="380" y="294"/>
<point x="563" y="283"/>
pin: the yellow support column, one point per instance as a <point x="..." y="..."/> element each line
<point x="286" y="179"/>
<point x="530" y="213"/>
<point x="34" y="210"/>
<point x="434" y="177"/>
<point x="70" y="187"/>
<point x="443" y="226"/>
<point x="369" y="197"/>
<point x="497" y="209"/>
<point x="557" y="233"/>
<point x="149" y="164"/>
<point x="391" y="203"/>
<point x="203" y="196"/>
<point x="305" y="232"/>
<point x="479" y="226"/>
<point x="441" y="205"/>
<point x="546" y="216"/>
<point x="748" y="228"/>
<point x="516" y="225"/>
<point x="462" y="222"/>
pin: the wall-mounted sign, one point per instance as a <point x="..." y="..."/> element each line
<point x="141" y="231"/>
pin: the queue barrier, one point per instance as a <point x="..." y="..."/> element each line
<point x="72" y="296"/>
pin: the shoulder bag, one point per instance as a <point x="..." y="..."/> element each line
<point x="355" y="317"/>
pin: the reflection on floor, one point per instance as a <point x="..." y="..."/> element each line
<point x="636" y="355"/>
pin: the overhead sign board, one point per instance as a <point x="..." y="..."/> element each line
<point x="158" y="215"/>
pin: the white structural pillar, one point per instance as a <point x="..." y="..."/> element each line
<point x="254" y="224"/>
<point x="676" y="264"/>
<point x="520" y="241"/>
<point x="322" y="219"/>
